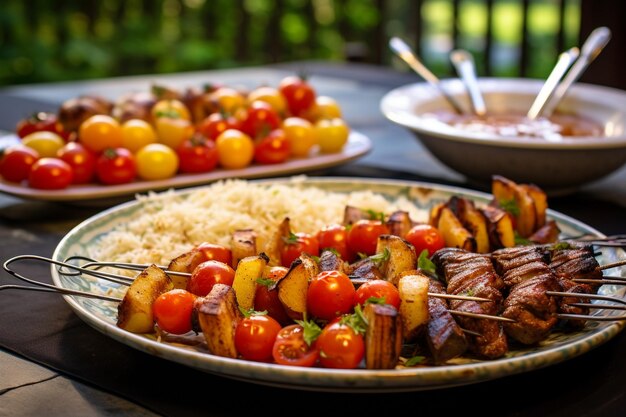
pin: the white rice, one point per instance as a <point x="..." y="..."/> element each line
<point x="170" y="224"/>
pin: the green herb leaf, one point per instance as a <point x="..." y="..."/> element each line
<point x="379" y="258"/>
<point x="269" y="283"/>
<point x="509" y="206"/>
<point x="425" y="264"/>
<point x="292" y="239"/>
<point x="415" y="360"/>
<point x="356" y="321"/>
<point x="376" y="300"/>
<point x="311" y="330"/>
<point x="561" y="246"/>
<point x="521" y="241"/>
<point x="376" y="215"/>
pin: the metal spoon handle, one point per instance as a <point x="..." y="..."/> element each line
<point x="592" y="47"/>
<point x="464" y="64"/>
<point x="406" y="54"/>
<point x="547" y="90"/>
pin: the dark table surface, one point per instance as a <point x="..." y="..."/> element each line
<point x="42" y="329"/>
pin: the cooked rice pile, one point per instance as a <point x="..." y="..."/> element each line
<point x="171" y="224"/>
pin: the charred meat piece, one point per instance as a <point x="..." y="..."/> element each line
<point x="366" y="269"/>
<point x="444" y="336"/>
<point x="468" y="273"/>
<point x="575" y="262"/>
<point x="330" y="261"/>
<point x="399" y="223"/>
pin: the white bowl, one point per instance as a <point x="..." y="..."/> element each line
<point x="557" y="166"/>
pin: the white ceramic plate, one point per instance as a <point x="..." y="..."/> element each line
<point x="357" y="146"/>
<point x="559" y="347"/>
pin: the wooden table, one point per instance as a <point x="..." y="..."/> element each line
<point x="88" y="379"/>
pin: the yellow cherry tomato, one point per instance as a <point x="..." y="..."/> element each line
<point x="300" y="135"/>
<point x="332" y="134"/>
<point x="100" y="132"/>
<point x="228" y="99"/>
<point x="235" y="149"/>
<point x="45" y="143"/>
<point x="170" y="108"/>
<point x="137" y="133"/>
<point x="271" y="96"/>
<point x="326" y="107"/>
<point x="156" y="161"/>
<point x="172" y="132"/>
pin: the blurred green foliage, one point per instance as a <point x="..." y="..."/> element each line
<point x="43" y="40"/>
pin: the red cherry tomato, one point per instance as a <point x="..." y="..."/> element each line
<point x="272" y="149"/>
<point x="334" y="237"/>
<point x="298" y="93"/>
<point x="266" y="296"/>
<point x="290" y="348"/>
<point x="255" y="336"/>
<point x="50" y="174"/>
<point x="172" y="311"/>
<point x="197" y="154"/>
<point x="81" y="159"/>
<point x="212" y="251"/>
<point x="17" y="161"/>
<point x="207" y="274"/>
<point x="340" y="346"/>
<point x="41" y="122"/>
<point x="260" y="118"/>
<point x="425" y="236"/>
<point x="116" y="166"/>
<point x="330" y="294"/>
<point x="216" y="123"/>
<point x="378" y="289"/>
<point x="297" y="244"/>
<point x="363" y="236"/>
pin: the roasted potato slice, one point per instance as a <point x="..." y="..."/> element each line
<point x="399" y="223"/>
<point x="243" y="245"/>
<point x="548" y="233"/>
<point x="383" y="337"/>
<point x="134" y="313"/>
<point x="499" y="227"/>
<point x="292" y="288"/>
<point x="274" y="246"/>
<point x="435" y="213"/>
<point x="248" y="271"/>
<point x="401" y="256"/>
<point x="541" y="203"/>
<point x="413" y="291"/>
<point x="514" y="198"/>
<point x="186" y="263"/>
<point x="454" y="233"/>
<point x="472" y="219"/>
<point x="218" y="315"/>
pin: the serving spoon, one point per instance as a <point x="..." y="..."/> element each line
<point x="406" y="54"/>
<point x="593" y="45"/>
<point x="465" y="67"/>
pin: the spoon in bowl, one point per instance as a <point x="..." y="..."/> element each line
<point x="404" y="52"/>
<point x="594" y="44"/>
<point x="465" y="67"/>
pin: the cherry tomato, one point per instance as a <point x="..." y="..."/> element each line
<point x="212" y="251"/>
<point x="330" y="294"/>
<point x="235" y="149"/>
<point x="363" y="236"/>
<point x="197" y="154"/>
<point x="380" y="289"/>
<point x="216" y="123"/>
<point x="272" y="149"/>
<point x="325" y="107"/>
<point x="173" y="131"/>
<point x="255" y="336"/>
<point x="47" y="144"/>
<point x="172" y="311"/>
<point x="170" y="108"/>
<point x="81" y="159"/>
<point x="17" y="161"/>
<point x="334" y="237"/>
<point x="50" y="174"/>
<point x="39" y="122"/>
<point x="332" y="135"/>
<point x="207" y="274"/>
<point x="260" y="119"/>
<point x="116" y="166"/>
<point x="425" y="236"/>
<point x="137" y="133"/>
<point x="298" y="93"/>
<point x="340" y="346"/>
<point x="290" y="348"/>
<point x="266" y="296"/>
<point x="100" y="132"/>
<point x="271" y="96"/>
<point x="156" y="161"/>
<point x="228" y="99"/>
<point x="301" y="135"/>
<point x="297" y="244"/>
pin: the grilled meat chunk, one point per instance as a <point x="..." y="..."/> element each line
<point x="468" y="273"/>
<point x="444" y="336"/>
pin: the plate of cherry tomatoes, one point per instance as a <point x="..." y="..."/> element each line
<point x="94" y="148"/>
